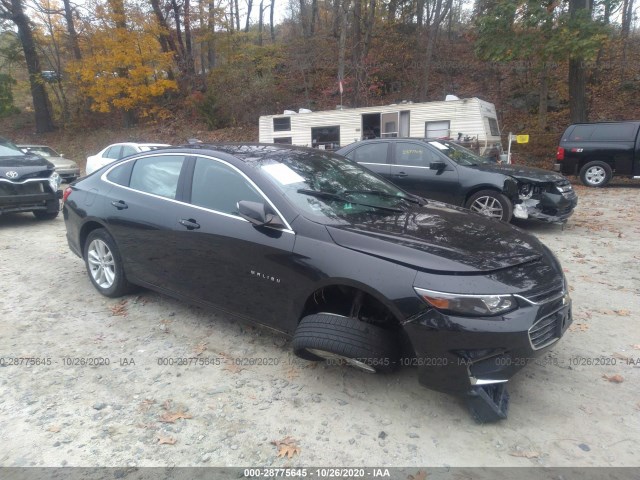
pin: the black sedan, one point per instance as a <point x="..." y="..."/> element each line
<point x="318" y="247"/>
<point x="445" y="171"/>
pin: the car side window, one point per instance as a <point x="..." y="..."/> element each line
<point x="127" y="150"/>
<point x="581" y="133"/>
<point x="113" y="152"/>
<point x="370" y="153"/>
<point x="413" y="154"/>
<point x="218" y="187"/>
<point x="158" y="175"/>
<point x="121" y="174"/>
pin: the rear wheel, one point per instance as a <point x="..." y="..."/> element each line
<point x="104" y="264"/>
<point x="348" y="341"/>
<point x="52" y="211"/>
<point x="596" y="174"/>
<point x="492" y="204"/>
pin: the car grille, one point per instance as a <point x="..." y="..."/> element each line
<point x="564" y="185"/>
<point x="29" y="188"/>
<point x="546" y="330"/>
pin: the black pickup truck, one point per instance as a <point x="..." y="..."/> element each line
<point x="598" y="151"/>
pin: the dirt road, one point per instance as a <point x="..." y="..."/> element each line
<point x="108" y="388"/>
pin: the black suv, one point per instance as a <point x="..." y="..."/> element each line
<point x="445" y="171"/>
<point x="28" y="183"/>
<point x="597" y="151"/>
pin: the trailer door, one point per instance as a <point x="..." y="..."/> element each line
<point x="389" y="124"/>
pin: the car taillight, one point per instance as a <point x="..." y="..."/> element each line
<point x="66" y="193"/>
<point x="560" y="154"/>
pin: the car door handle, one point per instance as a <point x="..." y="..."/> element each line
<point x="190" y="223"/>
<point x="120" y="204"/>
<point x="401" y="174"/>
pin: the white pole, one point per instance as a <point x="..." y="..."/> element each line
<point x="509" y="148"/>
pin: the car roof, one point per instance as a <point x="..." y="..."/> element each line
<point x="32" y="145"/>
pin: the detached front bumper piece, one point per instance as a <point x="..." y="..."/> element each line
<point x="547" y="207"/>
<point x="488" y="403"/>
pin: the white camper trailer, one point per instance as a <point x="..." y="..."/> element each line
<point x="471" y="121"/>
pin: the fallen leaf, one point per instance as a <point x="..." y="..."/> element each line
<point x="119" y="309"/>
<point x="582" y="327"/>
<point x="292" y="373"/>
<point x="287" y="447"/>
<point x="167" y="404"/>
<point x="166" y="440"/>
<point x="622" y="313"/>
<point x="200" y="348"/>
<point x="421" y="475"/>
<point x="614" y="378"/>
<point x="525" y="454"/>
<point x="54" y="428"/>
<point x="171" y="417"/>
<point x="145" y="405"/>
<point x="636" y="346"/>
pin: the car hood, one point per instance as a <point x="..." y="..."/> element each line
<point x="522" y="172"/>
<point x="62" y="162"/>
<point x="440" y="238"/>
<point x="26" y="166"/>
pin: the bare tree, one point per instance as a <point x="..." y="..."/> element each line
<point x="13" y="10"/>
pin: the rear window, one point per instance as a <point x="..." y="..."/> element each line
<point x="611" y="132"/>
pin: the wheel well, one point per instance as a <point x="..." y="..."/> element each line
<point x="479" y="189"/>
<point x="87" y="228"/>
<point x="611" y="163"/>
<point x="350" y="302"/>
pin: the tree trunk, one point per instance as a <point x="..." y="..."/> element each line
<point x="272" y="27"/>
<point x="260" y="23"/>
<point x="356" y="51"/>
<point x="544" y="98"/>
<point x="120" y="19"/>
<point x="314" y="17"/>
<point x="342" y="39"/>
<point x="237" y="13"/>
<point x="44" y="123"/>
<point x="577" y="73"/>
<point x="71" y="29"/>
<point x="249" y="8"/>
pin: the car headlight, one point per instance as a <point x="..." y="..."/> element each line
<point x="470" y="305"/>
<point x="54" y="181"/>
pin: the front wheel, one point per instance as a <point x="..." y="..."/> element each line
<point x="596" y="174"/>
<point x="492" y="204"/>
<point x="104" y="264"/>
<point x="348" y="341"/>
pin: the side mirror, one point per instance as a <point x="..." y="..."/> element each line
<point x="439" y="166"/>
<point x="258" y="214"/>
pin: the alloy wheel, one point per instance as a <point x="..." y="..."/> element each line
<point x="101" y="263"/>
<point x="595" y="175"/>
<point x="489" y="206"/>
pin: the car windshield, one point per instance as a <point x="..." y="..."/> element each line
<point x="458" y="153"/>
<point x="331" y="187"/>
<point x="44" y="151"/>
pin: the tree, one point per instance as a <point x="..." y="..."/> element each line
<point x="13" y="10"/>
<point x="125" y="69"/>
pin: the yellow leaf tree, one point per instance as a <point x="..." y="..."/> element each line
<point x="123" y="67"/>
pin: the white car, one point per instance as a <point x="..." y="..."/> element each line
<point x="117" y="151"/>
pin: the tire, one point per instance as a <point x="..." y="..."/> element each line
<point x="492" y="204"/>
<point x="326" y="336"/>
<point x="104" y="264"/>
<point x="52" y="211"/>
<point x="44" y="215"/>
<point x="596" y="174"/>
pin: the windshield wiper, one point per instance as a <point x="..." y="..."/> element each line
<point x="409" y="198"/>
<point x="335" y="196"/>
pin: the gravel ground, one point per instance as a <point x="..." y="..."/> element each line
<point x="578" y="406"/>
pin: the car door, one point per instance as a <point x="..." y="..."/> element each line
<point x="141" y="211"/>
<point x="226" y="261"/>
<point x="411" y="170"/>
<point x="374" y="156"/>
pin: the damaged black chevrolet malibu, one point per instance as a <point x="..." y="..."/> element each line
<point x="445" y="171"/>
<point x="314" y="245"/>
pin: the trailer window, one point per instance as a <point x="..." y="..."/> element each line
<point x="437" y="129"/>
<point x="283" y="140"/>
<point x="325" y="138"/>
<point x="282" y="124"/>
<point x="493" y="127"/>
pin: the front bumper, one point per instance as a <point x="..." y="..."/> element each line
<point x="28" y="196"/>
<point x="68" y="174"/>
<point x="454" y="353"/>
<point x="547" y="207"/>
